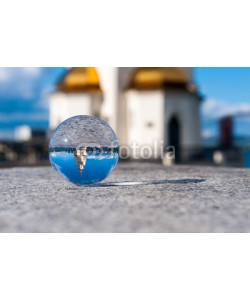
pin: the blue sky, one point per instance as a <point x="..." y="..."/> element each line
<point x="226" y="92"/>
<point x="23" y="97"/>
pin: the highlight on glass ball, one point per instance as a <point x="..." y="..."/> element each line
<point x="84" y="150"/>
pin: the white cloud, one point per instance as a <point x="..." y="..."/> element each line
<point x="9" y="74"/>
<point x="25" y="90"/>
<point x="33" y="72"/>
<point x="215" y="109"/>
<point x="4" y="75"/>
<point x="206" y="133"/>
<point x="19" y="82"/>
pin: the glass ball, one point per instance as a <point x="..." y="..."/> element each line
<point x="84" y="150"/>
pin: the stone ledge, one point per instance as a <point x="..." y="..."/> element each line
<point x="181" y="199"/>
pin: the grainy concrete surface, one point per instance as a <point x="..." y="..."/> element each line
<point x="181" y="199"/>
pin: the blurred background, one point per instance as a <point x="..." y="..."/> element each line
<point x="204" y="113"/>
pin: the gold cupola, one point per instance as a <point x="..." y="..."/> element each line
<point x="147" y="78"/>
<point x="80" y="79"/>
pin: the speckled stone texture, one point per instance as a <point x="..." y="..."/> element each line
<point x="180" y="199"/>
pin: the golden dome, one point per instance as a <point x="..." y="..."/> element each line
<point x="82" y="79"/>
<point x="157" y="78"/>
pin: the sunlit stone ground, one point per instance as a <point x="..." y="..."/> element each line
<point x="180" y="199"/>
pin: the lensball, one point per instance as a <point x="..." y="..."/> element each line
<point x="84" y="150"/>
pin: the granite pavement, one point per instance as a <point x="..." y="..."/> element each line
<point x="137" y="197"/>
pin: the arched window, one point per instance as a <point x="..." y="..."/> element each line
<point x="174" y="132"/>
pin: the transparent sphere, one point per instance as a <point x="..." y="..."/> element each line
<point x="84" y="150"/>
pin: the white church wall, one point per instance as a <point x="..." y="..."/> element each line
<point x="113" y="81"/>
<point x="136" y="116"/>
<point x="122" y="121"/>
<point x="124" y="76"/>
<point x="64" y="106"/>
<point x="145" y="118"/>
<point x="109" y="84"/>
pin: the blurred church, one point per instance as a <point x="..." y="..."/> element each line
<point x="143" y="105"/>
